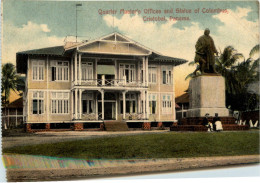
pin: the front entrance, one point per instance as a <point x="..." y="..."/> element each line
<point x="109" y="106"/>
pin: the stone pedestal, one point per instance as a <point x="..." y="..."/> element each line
<point x="207" y="95"/>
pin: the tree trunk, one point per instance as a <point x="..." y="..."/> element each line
<point x="5" y="121"/>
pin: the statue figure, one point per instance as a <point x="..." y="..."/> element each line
<point x="205" y="49"/>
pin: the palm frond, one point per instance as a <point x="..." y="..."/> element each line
<point x="254" y="50"/>
<point x="192" y="63"/>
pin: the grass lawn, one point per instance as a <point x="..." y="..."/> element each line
<point x="165" y="145"/>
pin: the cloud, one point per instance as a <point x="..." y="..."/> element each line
<point x="45" y="28"/>
<point x="237" y="30"/>
<point x="28" y="36"/>
<point x="170" y="40"/>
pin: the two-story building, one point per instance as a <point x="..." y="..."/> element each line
<point x="112" y="78"/>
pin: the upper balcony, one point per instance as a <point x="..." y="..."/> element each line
<point x="108" y="83"/>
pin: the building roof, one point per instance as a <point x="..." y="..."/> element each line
<point x="184" y="98"/>
<point x="56" y="50"/>
<point x="61" y="51"/>
<point x="177" y="61"/>
<point x="18" y="103"/>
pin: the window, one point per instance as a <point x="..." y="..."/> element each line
<point x="59" y="70"/>
<point x="38" y="103"/>
<point x="128" y="71"/>
<point x="167" y="104"/>
<point x="87" y="71"/>
<point x="87" y="103"/>
<point x="130" y="103"/>
<point x="152" y="74"/>
<point x="152" y="103"/>
<point x="60" y="102"/>
<point x="38" y="70"/>
<point x="167" y="75"/>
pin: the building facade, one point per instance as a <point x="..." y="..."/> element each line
<point x="81" y="85"/>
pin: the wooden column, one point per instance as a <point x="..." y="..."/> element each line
<point x="139" y="103"/>
<point x="116" y="112"/>
<point x="96" y="74"/>
<point x="146" y="72"/>
<point x="75" y="68"/>
<point x="72" y="105"/>
<point x="143" y="97"/>
<point x="116" y="69"/>
<point x="147" y="105"/>
<point x="124" y="106"/>
<point x="76" y="103"/>
<point x="138" y="71"/>
<point x="71" y="70"/>
<point x="103" y="106"/>
<point x="80" y="71"/>
<point x="80" y="103"/>
<point x="143" y="71"/>
<point x="96" y="106"/>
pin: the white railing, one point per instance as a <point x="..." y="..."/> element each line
<point x="110" y="82"/>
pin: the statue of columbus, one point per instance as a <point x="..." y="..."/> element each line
<point x="205" y="50"/>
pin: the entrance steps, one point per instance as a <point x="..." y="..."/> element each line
<point x="115" y="126"/>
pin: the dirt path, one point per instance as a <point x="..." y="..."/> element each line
<point x="126" y="168"/>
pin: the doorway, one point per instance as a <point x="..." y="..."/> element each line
<point x="109" y="106"/>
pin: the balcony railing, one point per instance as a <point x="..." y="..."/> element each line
<point x="110" y="83"/>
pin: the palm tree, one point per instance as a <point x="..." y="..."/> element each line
<point x="10" y="80"/>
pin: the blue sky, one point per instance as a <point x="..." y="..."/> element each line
<point x="37" y="24"/>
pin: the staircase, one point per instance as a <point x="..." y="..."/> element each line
<point x="115" y="126"/>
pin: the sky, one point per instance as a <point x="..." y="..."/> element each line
<point x="38" y="24"/>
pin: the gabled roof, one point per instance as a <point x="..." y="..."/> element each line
<point x="115" y="37"/>
<point x="56" y="50"/>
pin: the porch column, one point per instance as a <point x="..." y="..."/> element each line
<point x="124" y="104"/>
<point x="139" y="103"/>
<point x="116" y="105"/>
<point x="143" y="98"/>
<point x="116" y="69"/>
<point x="146" y="72"/>
<point x="71" y="70"/>
<point x="96" y="75"/>
<point x="138" y="71"/>
<point x="80" y="103"/>
<point x="147" y="105"/>
<point x="103" y="80"/>
<point x="103" y="106"/>
<point x="80" y="69"/>
<point x="76" y="103"/>
<point x="96" y="106"/>
<point x="143" y="75"/>
<point x="75" y="67"/>
<point x="72" y="104"/>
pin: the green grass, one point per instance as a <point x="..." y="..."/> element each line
<point x="165" y="145"/>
